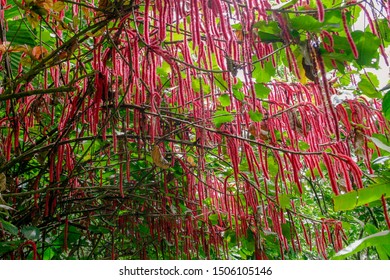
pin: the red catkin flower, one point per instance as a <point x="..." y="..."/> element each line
<point x="331" y="173"/>
<point x="385" y="212"/>
<point x="33" y="247"/>
<point x="349" y="36"/>
<point x="320" y="10"/>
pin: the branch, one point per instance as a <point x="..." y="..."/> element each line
<point x="314" y="11"/>
<point x="19" y="95"/>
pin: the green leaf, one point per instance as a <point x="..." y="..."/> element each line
<point x="286" y="230"/>
<point x="49" y="254"/>
<point x="195" y="85"/>
<point x="225" y="100"/>
<point x="164" y="70"/>
<point x="222" y="117"/>
<point x="307" y="23"/>
<point x="239" y="95"/>
<point x="370" y="229"/>
<point x="262" y="91"/>
<point x="380" y="144"/>
<point x="386" y="105"/>
<point x="360" y="197"/>
<point x="375" y="240"/>
<point x="271" y="27"/>
<point x="303" y="146"/>
<point x="264" y="73"/>
<point x="237" y="91"/>
<point x="268" y="32"/>
<point x="237" y="26"/>
<point x="19" y="34"/>
<point x="368" y="46"/>
<point x="368" y="87"/>
<point x="255" y="116"/>
<point x="220" y="81"/>
<point x="8" y="227"/>
<point x="332" y="20"/>
<point x="269" y="38"/>
<point x="213" y="219"/>
<point x="31" y="232"/>
<point x="383" y="27"/>
<point x="284" y="201"/>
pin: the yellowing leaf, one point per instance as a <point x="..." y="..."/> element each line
<point x="33" y="19"/>
<point x="191" y="161"/>
<point x="158" y="159"/>
<point x="58" y="6"/>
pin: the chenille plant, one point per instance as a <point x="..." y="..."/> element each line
<point x="194" y="129"/>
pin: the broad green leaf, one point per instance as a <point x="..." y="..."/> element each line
<point x="380" y="144"/>
<point x="222" y="117"/>
<point x="19" y="34"/>
<point x="368" y="87"/>
<point x="48" y="37"/>
<point x="367" y="45"/>
<point x="238" y="94"/>
<point x="225" y="100"/>
<point x="262" y="91"/>
<point x="207" y="201"/>
<point x="383" y="251"/>
<point x="214" y="219"/>
<point x="49" y="254"/>
<point x="307" y="23"/>
<point x="374" y="240"/>
<point x="373" y="78"/>
<point x="383" y="28"/>
<point x="333" y="21"/>
<point x="268" y="32"/>
<point x="230" y="237"/>
<point x="270" y="27"/>
<point x="303" y="146"/>
<point x="220" y="82"/>
<point x="237" y="26"/>
<point x="370" y="229"/>
<point x="386" y="105"/>
<point x="196" y="85"/>
<point x="286" y="230"/>
<point x="164" y="69"/>
<point x="8" y="227"/>
<point x="12" y="12"/>
<point x="31" y="232"/>
<point x="284" y="201"/>
<point x="269" y="38"/>
<point x="264" y="73"/>
<point x="255" y="116"/>
<point x="360" y="197"/>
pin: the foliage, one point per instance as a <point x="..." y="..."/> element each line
<point x="183" y="129"/>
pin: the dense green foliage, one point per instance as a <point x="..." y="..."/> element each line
<point x="183" y="129"/>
